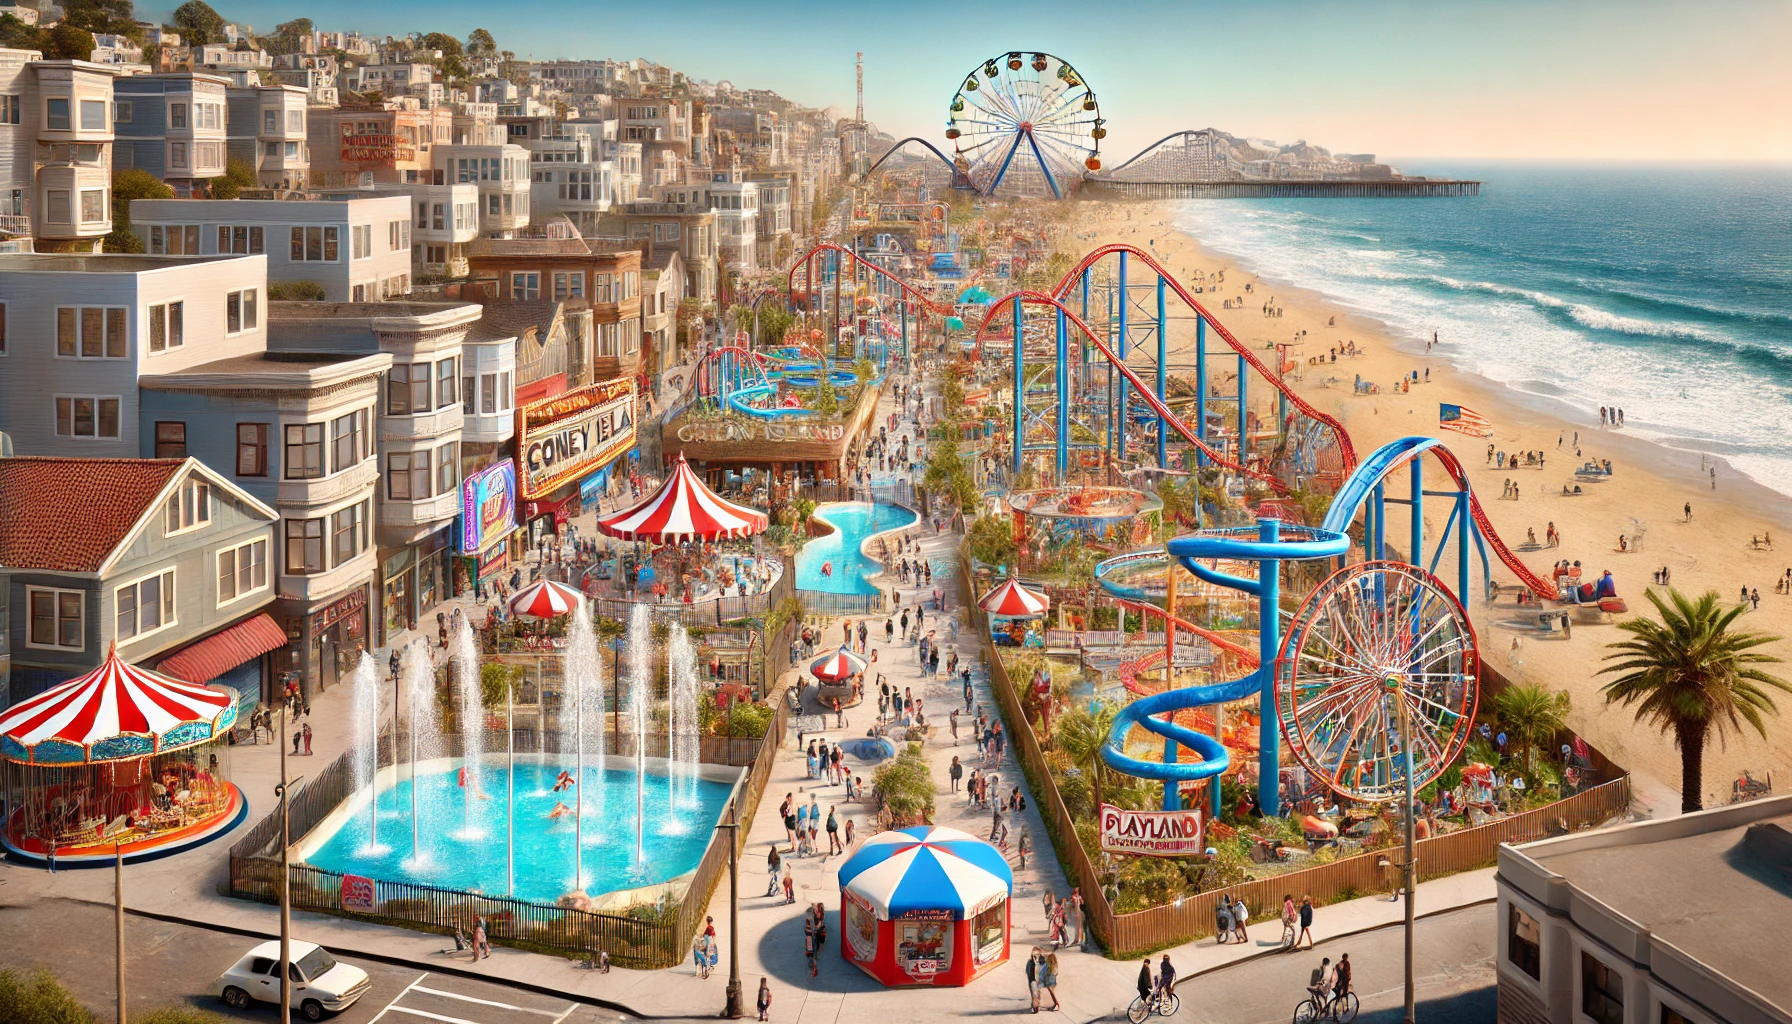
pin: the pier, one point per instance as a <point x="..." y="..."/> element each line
<point x="1395" y="188"/>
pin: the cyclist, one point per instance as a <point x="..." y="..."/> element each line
<point x="1166" y="978"/>
<point x="1145" y="981"/>
<point x="1319" y="986"/>
<point x="1341" y="978"/>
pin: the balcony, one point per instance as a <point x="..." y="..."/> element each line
<point x="406" y="515"/>
<point x="429" y="426"/>
<point x="325" y="586"/>
<point x="15" y="224"/>
<point x="298" y="496"/>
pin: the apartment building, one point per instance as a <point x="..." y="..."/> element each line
<point x="319" y="72"/>
<point x="499" y="170"/>
<point x="223" y="57"/>
<point x="736" y="203"/>
<point x="775" y="225"/>
<point x="265" y="125"/>
<point x="569" y="175"/>
<point x="358" y="249"/>
<point x="572" y="270"/>
<point x="81" y="329"/>
<point x="663" y="129"/>
<point x="55" y="150"/>
<point x="367" y="144"/>
<point x="662" y="289"/>
<point x="445" y="218"/>
<point x="683" y="224"/>
<point x="173" y="126"/>
<point x="392" y="79"/>
<point x="110" y="48"/>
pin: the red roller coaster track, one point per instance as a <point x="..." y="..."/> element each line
<point x="927" y="304"/>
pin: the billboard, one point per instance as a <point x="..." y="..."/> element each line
<point x="362" y="149"/>
<point x="567" y="437"/>
<point x="487" y="506"/>
<point x="1151" y="833"/>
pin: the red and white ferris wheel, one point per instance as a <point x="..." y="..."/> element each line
<point x="1024" y="116"/>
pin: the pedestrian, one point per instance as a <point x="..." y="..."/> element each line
<point x="298" y="735"/>
<point x="788" y="813"/>
<point x="773" y="863"/>
<point x="809" y="947"/>
<point x="392" y="663"/>
<point x="765" y="999"/>
<point x="789" y="886"/>
<point x="1222" y="919"/>
<point x="849" y="833"/>
<point x="955" y="772"/>
<point x="834" y="834"/>
<point x="1035" y="962"/>
<point x="952" y="720"/>
<point x="1240" y="915"/>
<point x="306" y="731"/>
<point x="481" y="946"/>
<point x="1290" y="921"/>
<point x="1306" y="922"/>
<point x="1076" y="914"/>
<point x="1145" y="981"/>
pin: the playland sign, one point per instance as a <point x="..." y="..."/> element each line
<point x="1151" y="833"/>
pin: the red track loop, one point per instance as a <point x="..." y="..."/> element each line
<point x="912" y="292"/>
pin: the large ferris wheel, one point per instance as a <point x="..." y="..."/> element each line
<point x="1028" y="110"/>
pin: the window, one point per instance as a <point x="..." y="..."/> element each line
<point x="242" y="570"/>
<point x="349" y="440"/>
<point x="295" y="120"/>
<point x="174" y="240"/>
<point x="56" y="206"/>
<point x="1669" y="1015"/>
<point x="240" y="313"/>
<point x="56" y="618"/>
<point x="398" y="235"/>
<point x="9" y="110"/>
<point x="167" y="328"/>
<point x="177" y="156"/>
<point x="171" y="439"/>
<point x="1601" y="991"/>
<point x="314" y="245"/>
<point x="569" y="286"/>
<point x="407" y="476"/>
<point x="524" y="286"/>
<point x="189" y="506"/>
<point x="445" y="384"/>
<point x="304" y="546"/>
<point x="447" y="467"/>
<point x="292" y="151"/>
<point x="270" y="121"/>
<point x="348" y="532"/>
<point x="56" y="114"/>
<point x="304" y="451"/>
<point x="251" y="449"/>
<point x="407" y="389"/>
<point x="146" y="605"/>
<point x="91" y="332"/>
<point x="207" y="155"/>
<point x="93" y="115"/>
<point x="241" y="238"/>
<point x="177" y="115"/>
<point x="1524" y="942"/>
<point x="363" y="237"/>
<point x="86" y="416"/>
<point x="2" y="328"/>
<point x="488" y="393"/>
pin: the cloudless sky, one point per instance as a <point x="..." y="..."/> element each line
<point x="1575" y="79"/>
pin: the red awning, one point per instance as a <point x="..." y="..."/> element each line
<point x="224" y="650"/>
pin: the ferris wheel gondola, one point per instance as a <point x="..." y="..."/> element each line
<point x="1025" y="110"/>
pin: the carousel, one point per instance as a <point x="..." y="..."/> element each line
<point x="927" y="905"/>
<point x="1010" y="607"/>
<point x="685" y="518"/>
<point x="119" y="760"/>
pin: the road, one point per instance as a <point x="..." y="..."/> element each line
<point x="173" y="964"/>
<point x="1453" y="970"/>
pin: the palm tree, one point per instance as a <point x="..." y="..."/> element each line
<point x="1531" y="715"/>
<point x="1692" y="674"/>
<point x="1081" y="734"/>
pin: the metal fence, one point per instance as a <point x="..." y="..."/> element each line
<point x="820" y="602"/>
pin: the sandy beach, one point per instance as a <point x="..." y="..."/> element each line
<point x="1643" y="498"/>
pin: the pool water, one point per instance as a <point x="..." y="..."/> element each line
<point x="672" y="843"/>
<point x="852" y="522"/>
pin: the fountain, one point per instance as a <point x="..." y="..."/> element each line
<point x="420" y="682"/>
<point x="640" y="680"/>
<point x="464" y="656"/>
<point x="682" y="740"/>
<point x="585" y="685"/>
<point x="366" y="682"/>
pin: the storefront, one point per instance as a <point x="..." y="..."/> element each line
<point x="325" y="641"/>
<point x="487" y="524"/>
<point x="235" y="656"/>
<point x="927" y="905"/>
<point x="565" y="440"/>
<point x="813" y="449"/>
<point x="413" y="579"/>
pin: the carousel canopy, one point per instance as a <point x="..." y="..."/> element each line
<point x="683" y="509"/>
<point x="1014" y="601"/>
<point x="544" y="599"/>
<point x="114" y="713"/>
<point x="929" y="867"/>
<point x="840" y="664"/>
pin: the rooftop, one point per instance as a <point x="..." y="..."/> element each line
<point x="273" y="369"/>
<point x="70" y="514"/>
<point x="99" y="263"/>
<point x="311" y="327"/>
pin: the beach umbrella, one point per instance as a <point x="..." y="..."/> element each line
<point x="683" y="509"/>
<point x="928" y="868"/>
<point x="841" y="664"/>
<point x="544" y="599"/>
<point x="1014" y="601"/>
<point x="115" y="712"/>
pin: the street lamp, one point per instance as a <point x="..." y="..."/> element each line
<point x="281" y="791"/>
<point x="732" y="1009"/>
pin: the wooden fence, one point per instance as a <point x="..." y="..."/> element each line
<point x="657" y="940"/>
<point x="1127" y="935"/>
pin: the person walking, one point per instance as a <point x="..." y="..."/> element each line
<point x="1241" y="914"/>
<point x="1075" y="914"/>
<point x="482" y="946"/>
<point x="765" y="999"/>
<point x="773" y="865"/>
<point x="1306" y="922"/>
<point x="1290" y="921"/>
<point x="1035" y="962"/>
<point x="952" y="720"/>
<point x="1048" y="980"/>
<point x="955" y="772"/>
<point x="834" y="834"/>
<point x="1222" y="919"/>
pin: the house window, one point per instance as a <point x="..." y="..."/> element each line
<point x="146" y="605"/>
<point x="56" y="206"/>
<point x="304" y="451"/>
<point x="407" y="476"/>
<point x="363" y="239"/>
<point x="295" y="120"/>
<point x="93" y="205"/>
<point x="445" y="384"/>
<point x="314" y="245"/>
<point x="9" y="110"/>
<point x="1524" y="942"/>
<point x="188" y="507"/>
<point x="488" y="393"/>
<point x="270" y="121"/>
<point x="447" y="467"/>
<point x="1601" y="991"/>
<point x="349" y="440"/>
<point x="241" y="238"/>
<point x="1669" y="1015"/>
<point x="524" y="286"/>
<point x="569" y="286"/>
<point x="177" y="156"/>
<point x="435" y="255"/>
<point x="407" y="389"/>
<point x="240" y="313"/>
<point x="90" y="332"/>
<point x="304" y="546"/>
<point x="171" y="439"/>
<point x="398" y="235"/>
<point x="251" y="449"/>
<point x="348" y="532"/>
<point x="86" y="416"/>
<point x="57" y="617"/>
<point x="167" y="327"/>
<point x="177" y="115"/>
<point x="242" y="570"/>
<point x="93" y="115"/>
<point x="56" y="114"/>
<point x="292" y="151"/>
<point x="174" y="240"/>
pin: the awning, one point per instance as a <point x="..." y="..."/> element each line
<point x="226" y="649"/>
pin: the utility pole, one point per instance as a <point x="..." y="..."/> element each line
<point x="732" y="1009"/>
<point x="118" y="918"/>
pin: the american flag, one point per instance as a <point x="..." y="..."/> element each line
<point x="1463" y="420"/>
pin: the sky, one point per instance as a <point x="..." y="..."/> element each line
<point x="1455" y="79"/>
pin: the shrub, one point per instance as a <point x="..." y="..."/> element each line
<point x="178" y="1014"/>
<point x="38" y="998"/>
<point x="295" y="291"/>
<point x="907" y="787"/>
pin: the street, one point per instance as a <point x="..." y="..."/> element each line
<point x="1453" y="970"/>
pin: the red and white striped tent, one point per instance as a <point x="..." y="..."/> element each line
<point x="1011" y="600"/>
<point x="116" y="712"/>
<point x="841" y="664"/>
<point x="683" y="509"/>
<point x="544" y="599"/>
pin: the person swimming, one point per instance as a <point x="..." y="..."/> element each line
<point x="827" y="568"/>
<point x="563" y="782"/>
<point x="560" y="811"/>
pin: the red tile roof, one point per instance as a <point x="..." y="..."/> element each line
<point x="69" y="514"/>
<point x="224" y="650"/>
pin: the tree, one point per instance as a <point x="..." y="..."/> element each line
<point x="906" y="786"/>
<point x="16" y="35"/>
<point x="1081" y="734"/>
<point x="131" y="183"/>
<point x="238" y="175"/>
<point x="450" y="63"/>
<point x="66" y="42"/>
<point x="111" y="16"/>
<point x="198" y="24"/>
<point x="775" y="321"/>
<point x="481" y="41"/>
<point x="1692" y="674"/>
<point x="991" y="540"/>
<point x="1532" y="715"/>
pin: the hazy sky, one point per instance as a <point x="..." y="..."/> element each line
<point x="1578" y="80"/>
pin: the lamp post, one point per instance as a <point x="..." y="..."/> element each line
<point x="732" y="1008"/>
<point x="118" y="918"/>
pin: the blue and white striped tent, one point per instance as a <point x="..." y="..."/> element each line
<point x="927" y="868"/>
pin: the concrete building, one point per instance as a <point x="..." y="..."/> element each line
<point x="164" y="557"/>
<point x="84" y="328"/>
<point x="222" y="57"/>
<point x="1672" y="921"/>
<point x="571" y="270"/>
<point x="266" y="128"/>
<point x="56" y="142"/>
<point x="686" y="224"/>
<point x="663" y="129"/>
<point x="173" y="126"/>
<point x="446" y="218"/>
<point x="366" y="144"/>
<point x="569" y="173"/>
<point x="501" y="173"/>
<point x="775" y="225"/>
<point x="662" y="289"/>
<point x="356" y="249"/>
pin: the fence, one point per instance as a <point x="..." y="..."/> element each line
<point x="1132" y="934"/>
<point x="656" y="940"/>
<point x="821" y="602"/>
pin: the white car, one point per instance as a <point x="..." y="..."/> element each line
<point x="320" y="984"/>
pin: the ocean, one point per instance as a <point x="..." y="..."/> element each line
<point x="1662" y="290"/>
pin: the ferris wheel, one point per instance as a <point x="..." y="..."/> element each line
<point x="1030" y="111"/>
<point x="1381" y="650"/>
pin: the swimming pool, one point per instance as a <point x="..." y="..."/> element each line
<point x="853" y="521"/>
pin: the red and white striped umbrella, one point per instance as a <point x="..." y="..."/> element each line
<point x="544" y="599"/>
<point x="683" y="509"/>
<point x="1014" y="601"/>
<point x="115" y="712"/>
<point x="841" y="664"/>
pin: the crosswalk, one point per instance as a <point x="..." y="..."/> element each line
<point x="435" y="999"/>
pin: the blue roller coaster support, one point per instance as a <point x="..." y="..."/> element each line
<point x="1244" y="416"/>
<point x="1019" y="385"/>
<point x="1063" y="420"/>
<point x="1163" y="356"/>
<point x="1120" y="406"/>
<point x="1200" y="389"/>
<point x="1000" y="174"/>
<point x="904" y="308"/>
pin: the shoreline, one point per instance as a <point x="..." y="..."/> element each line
<point x="1653" y="480"/>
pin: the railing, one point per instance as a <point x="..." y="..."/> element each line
<point x="821" y="602"/>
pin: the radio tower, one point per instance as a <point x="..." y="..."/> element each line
<point x="855" y="129"/>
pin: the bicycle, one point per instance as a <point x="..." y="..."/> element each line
<point x="1342" y="1009"/>
<point x="1164" y="1004"/>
